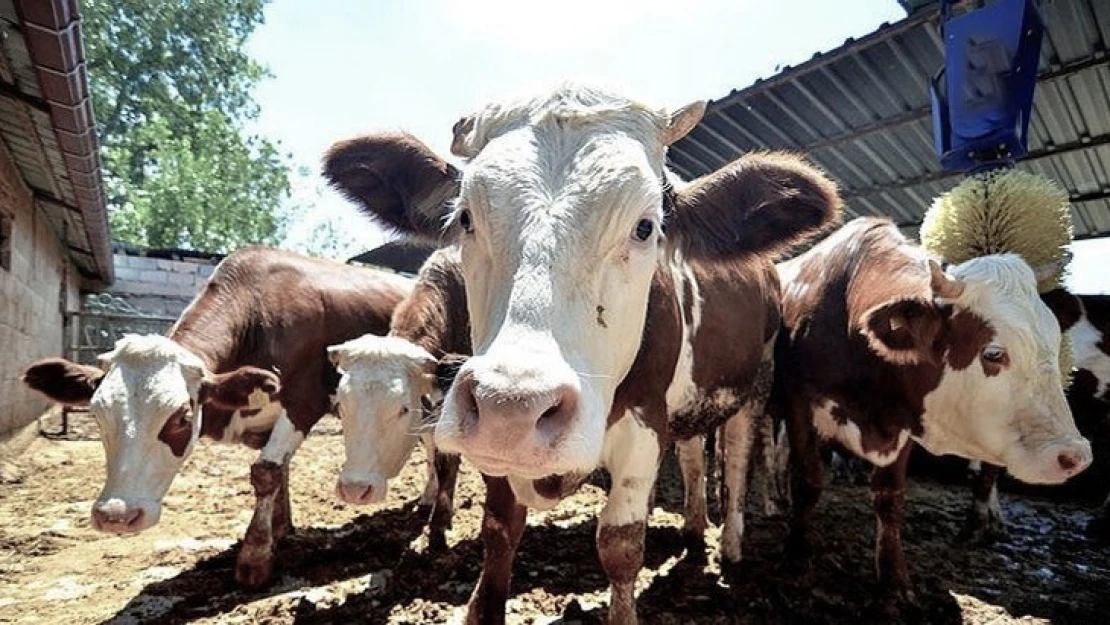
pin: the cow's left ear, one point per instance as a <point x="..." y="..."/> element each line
<point x="761" y="203"/>
<point x="245" y="387"/>
<point x="395" y="179"/>
<point x="904" y="331"/>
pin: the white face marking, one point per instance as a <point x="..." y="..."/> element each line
<point x="1018" y="418"/>
<point x="850" y="435"/>
<point x="632" y="457"/>
<point x="383" y="379"/>
<point x="1085" y="339"/>
<point x="150" y="379"/>
<point x="553" y="200"/>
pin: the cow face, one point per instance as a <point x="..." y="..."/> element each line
<point x="999" y="398"/>
<point x="559" y="215"/>
<point x="148" y="406"/>
<point x="379" y="398"/>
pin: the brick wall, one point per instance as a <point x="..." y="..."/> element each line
<point x="156" y="286"/>
<point x="35" y="288"/>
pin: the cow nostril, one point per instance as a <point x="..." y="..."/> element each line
<point x="1068" y="462"/>
<point x="465" y="401"/>
<point x="558" y="416"/>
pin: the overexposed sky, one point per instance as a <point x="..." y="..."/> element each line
<point x="346" y="67"/>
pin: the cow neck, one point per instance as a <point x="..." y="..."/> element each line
<point x="208" y="331"/>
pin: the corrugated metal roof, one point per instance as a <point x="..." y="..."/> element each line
<point x="46" y="123"/>
<point x="862" y="112"/>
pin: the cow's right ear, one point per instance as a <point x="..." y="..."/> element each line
<point x="903" y="332"/>
<point x="63" y="381"/>
<point x="395" y="179"/>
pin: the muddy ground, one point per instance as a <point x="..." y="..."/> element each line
<point x="369" y="565"/>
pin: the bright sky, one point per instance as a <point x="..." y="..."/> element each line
<point x="358" y="66"/>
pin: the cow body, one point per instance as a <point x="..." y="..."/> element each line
<point x="576" y="299"/>
<point x="880" y="346"/>
<point x="264" y="313"/>
<point x="390" y="384"/>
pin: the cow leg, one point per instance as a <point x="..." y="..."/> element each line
<point x="502" y="527"/>
<point x="888" y="495"/>
<point x="632" y="452"/>
<point x="431" y="487"/>
<point x="269" y="477"/>
<point x="806" y="476"/>
<point x="738" y="437"/>
<point x="984" y="517"/>
<point x="447" y="474"/>
<point x="691" y="458"/>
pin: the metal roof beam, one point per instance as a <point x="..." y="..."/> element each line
<point x="1033" y="156"/>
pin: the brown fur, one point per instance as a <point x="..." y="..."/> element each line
<point x="178" y="431"/>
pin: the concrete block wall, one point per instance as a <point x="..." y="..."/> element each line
<point x="35" y="289"/>
<point x="157" y="286"/>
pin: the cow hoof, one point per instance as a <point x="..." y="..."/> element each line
<point x="254" y="574"/>
<point x="694" y="543"/>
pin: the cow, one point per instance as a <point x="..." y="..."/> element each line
<point x="883" y="347"/>
<point x="579" y="252"/>
<point x="390" y="385"/>
<point x="245" y="363"/>
<point x="1086" y="321"/>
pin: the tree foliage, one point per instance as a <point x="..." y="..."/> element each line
<point x="171" y="84"/>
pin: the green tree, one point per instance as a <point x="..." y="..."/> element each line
<point x="171" y="85"/>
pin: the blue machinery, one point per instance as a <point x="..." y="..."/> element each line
<point x="983" y="96"/>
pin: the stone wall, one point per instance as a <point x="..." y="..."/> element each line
<point x="37" y="285"/>
<point x="159" y="287"/>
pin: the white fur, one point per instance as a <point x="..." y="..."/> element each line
<point x="259" y="422"/>
<point x="1018" y="419"/>
<point x="378" y="398"/>
<point x="284" y="441"/>
<point x="850" y="436"/>
<point x="555" y="190"/>
<point x="1085" y="338"/>
<point x="632" y="457"/>
<point x="148" y="379"/>
<point x="682" y="392"/>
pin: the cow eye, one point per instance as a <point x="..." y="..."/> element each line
<point x="465" y="221"/>
<point x="994" y="353"/>
<point x="643" y="231"/>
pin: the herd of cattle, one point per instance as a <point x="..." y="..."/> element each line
<point x="588" y="309"/>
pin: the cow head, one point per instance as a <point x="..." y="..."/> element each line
<point x="996" y="344"/>
<point x="148" y="401"/>
<point x="379" y="398"/>
<point x="563" y="213"/>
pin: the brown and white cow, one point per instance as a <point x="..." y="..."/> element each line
<point x="881" y="346"/>
<point x="1086" y="321"/>
<point x="263" y="311"/>
<point x="390" y="384"/>
<point x="578" y="257"/>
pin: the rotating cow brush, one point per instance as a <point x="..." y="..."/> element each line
<point x="990" y="74"/>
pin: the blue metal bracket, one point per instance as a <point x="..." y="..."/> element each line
<point x="983" y="97"/>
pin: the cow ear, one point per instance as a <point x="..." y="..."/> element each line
<point x="396" y="180"/>
<point x="63" y="381"/>
<point x="761" y="203"/>
<point x="903" y="332"/>
<point x="246" y="387"/>
<point x="338" y="354"/>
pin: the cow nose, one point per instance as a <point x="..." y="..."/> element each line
<point x="117" y="517"/>
<point x="546" y="411"/>
<point x="1072" y="461"/>
<point x="356" y="492"/>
